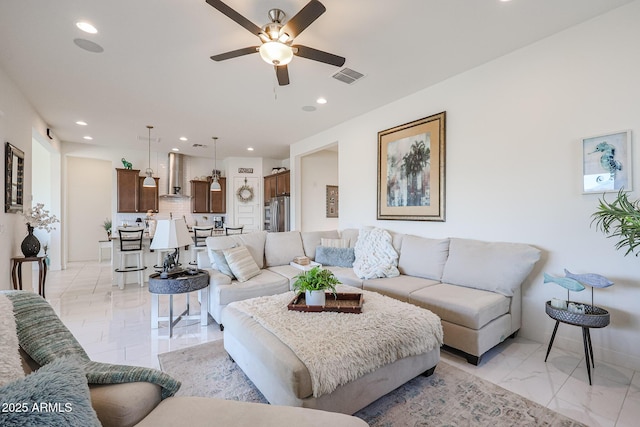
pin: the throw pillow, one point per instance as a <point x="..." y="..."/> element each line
<point x="334" y="243"/>
<point x="221" y="263"/>
<point x="10" y="363"/>
<point x="57" y="394"/>
<point x="375" y="255"/>
<point x="338" y="257"/>
<point x="241" y="263"/>
<point x="281" y="248"/>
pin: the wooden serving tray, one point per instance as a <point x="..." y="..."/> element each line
<point x="344" y="303"/>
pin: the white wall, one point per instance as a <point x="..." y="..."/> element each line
<point x="317" y="170"/>
<point x="514" y="165"/>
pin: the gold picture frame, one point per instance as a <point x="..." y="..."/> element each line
<point x="332" y="201"/>
<point x="411" y="170"/>
<point x="13" y="178"/>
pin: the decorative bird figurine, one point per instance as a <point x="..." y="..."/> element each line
<point x="566" y="282"/>
<point x="591" y="279"/>
<point x="607" y="160"/>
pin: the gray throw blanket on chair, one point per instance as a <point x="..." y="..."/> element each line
<point x="44" y="337"/>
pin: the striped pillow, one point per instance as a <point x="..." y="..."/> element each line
<point x="241" y="263"/>
<point x="334" y="243"/>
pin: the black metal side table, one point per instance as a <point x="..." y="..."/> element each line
<point x="179" y="284"/>
<point x="593" y="317"/>
<point x="16" y="271"/>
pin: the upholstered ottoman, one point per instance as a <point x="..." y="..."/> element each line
<point x="339" y="362"/>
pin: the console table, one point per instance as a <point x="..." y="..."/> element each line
<point x="180" y="283"/>
<point x="16" y="272"/>
<point x="593" y="317"/>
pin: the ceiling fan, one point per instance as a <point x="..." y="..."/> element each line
<point x="277" y="38"/>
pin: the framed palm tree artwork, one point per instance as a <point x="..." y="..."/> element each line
<point x="411" y="170"/>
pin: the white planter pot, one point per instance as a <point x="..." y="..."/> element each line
<point x="314" y="297"/>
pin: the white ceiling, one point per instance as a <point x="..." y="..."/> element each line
<point x="155" y="68"/>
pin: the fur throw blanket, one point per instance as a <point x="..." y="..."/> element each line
<point x="340" y="347"/>
<point x="375" y="255"/>
<point x="44" y="337"/>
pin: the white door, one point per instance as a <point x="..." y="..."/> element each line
<point x="246" y="212"/>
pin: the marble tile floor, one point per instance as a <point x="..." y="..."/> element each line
<point x="113" y="326"/>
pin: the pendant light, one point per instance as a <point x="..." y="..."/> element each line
<point x="215" y="185"/>
<point x="149" y="181"/>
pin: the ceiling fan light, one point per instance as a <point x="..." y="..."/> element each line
<point x="276" y="53"/>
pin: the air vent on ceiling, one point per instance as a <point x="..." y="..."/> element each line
<point x="146" y="139"/>
<point x="348" y="76"/>
<point x="196" y="145"/>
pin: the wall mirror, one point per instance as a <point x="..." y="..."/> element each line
<point x="13" y="179"/>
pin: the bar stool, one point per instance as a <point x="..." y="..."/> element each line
<point x="233" y="230"/>
<point x="131" y="244"/>
<point x="200" y="235"/>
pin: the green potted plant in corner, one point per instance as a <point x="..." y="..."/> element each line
<point x="620" y="219"/>
<point x="107" y="227"/>
<point x="314" y="283"/>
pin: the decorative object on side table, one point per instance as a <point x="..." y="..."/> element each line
<point x="314" y="283"/>
<point x="171" y="234"/>
<point x="36" y="217"/>
<point x="573" y="313"/>
<point x="107" y="227"/>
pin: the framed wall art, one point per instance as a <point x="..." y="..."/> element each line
<point x="13" y="178"/>
<point x="332" y="201"/>
<point x="606" y="163"/>
<point x="411" y="170"/>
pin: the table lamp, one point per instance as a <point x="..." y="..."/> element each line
<point x="170" y="234"/>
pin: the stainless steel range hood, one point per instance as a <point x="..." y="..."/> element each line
<point x="175" y="182"/>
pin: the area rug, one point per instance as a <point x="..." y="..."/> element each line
<point x="450" y="397"/>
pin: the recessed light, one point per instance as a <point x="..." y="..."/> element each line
<point x="88" y="138"/>
<point x="81" y="123"/>
<point x="249" y="148"/>
<point x="86" y="27"/>
<point x="321" y="100"/>
<point x="183" y="138"/>
<point x="175" y="149"/>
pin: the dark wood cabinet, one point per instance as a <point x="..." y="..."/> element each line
<point x="277" y="184"/>
<point x="132" y="196"/>
<point x="148" y="199"/>
<point x="219" y="198"/>
<point x="203" y="200"/>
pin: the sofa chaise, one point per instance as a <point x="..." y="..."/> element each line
<point x="473" y="286"/>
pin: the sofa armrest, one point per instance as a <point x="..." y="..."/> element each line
<point x="126" y="404"/>
<point x="216" y="278"/>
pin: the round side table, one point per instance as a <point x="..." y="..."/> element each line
<point x="593" y="317"/>
<point x="179" y="284"/>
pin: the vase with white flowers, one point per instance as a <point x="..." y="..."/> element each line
<point x="40" y="218"/>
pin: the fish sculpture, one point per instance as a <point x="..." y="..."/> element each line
<point x="565" y="282"/>
<point x="591" y="279"/>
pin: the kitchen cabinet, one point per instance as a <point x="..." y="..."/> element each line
<point x="203" y="200"/>
<point x="132" y="196"/>
<point x="218" y="199"/>
<point x="277" y="184"/>
<point x="148" y="196"/>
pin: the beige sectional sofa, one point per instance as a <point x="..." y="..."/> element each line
<point x="473" y="286"/>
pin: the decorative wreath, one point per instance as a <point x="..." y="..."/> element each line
<point x="245" y="193"/>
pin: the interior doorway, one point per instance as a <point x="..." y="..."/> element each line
<point x="318" y="169"/>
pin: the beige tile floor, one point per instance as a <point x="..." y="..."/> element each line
<point x="114" y="326"/>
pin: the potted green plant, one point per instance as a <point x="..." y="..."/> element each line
<point x="314" y="283"/>
<point x="620" y="219"/>
<point x="107" y="227"/>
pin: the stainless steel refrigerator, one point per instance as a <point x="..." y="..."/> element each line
<point x="280" y="214"/>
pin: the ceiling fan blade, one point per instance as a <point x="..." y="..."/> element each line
<point x="304" y="18"/>
<point x="282" y="73"/>
<point x="235" y="53"/>
<point x="318" y="55"/>
<point x="235" y="16"/>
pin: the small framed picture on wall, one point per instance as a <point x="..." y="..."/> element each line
<point x="606" y="163"/>
<point x="332" y="201"/>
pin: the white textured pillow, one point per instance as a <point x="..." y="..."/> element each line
<point x="10" y="362"/>
<point x="375" y="255"/>
<point x="334" y="243"/>
<point x="491" y="266"/>
<point x="241" y="263"/>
